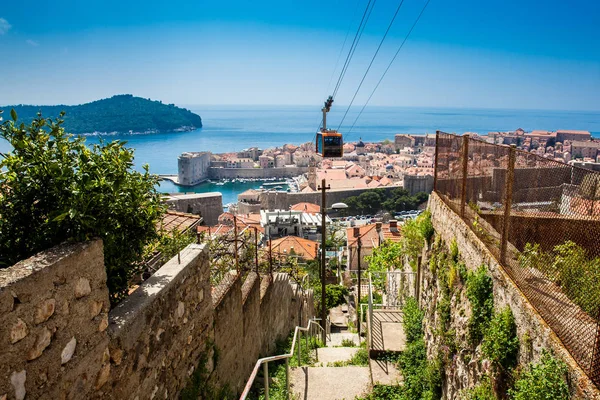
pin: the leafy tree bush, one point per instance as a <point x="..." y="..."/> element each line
<point x="372" y="201"/>
<point x="481" y="297"/>
<point x="545" y="380"/>
<point x="334" y="295"/>
<point x="500" y="342"/>
<point x="386" y="257"/>
<point x="55" y="189"/>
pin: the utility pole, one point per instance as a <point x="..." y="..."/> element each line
<point x="270" y="256"/>
<point x="359" y="244"/>
<point x="323" y="189"/>
<point x="256" y="248"/>
<point x="235" y="241"/>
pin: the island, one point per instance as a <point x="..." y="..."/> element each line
<point x="119" y="114"/>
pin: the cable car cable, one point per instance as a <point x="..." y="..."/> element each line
<point x="389" y="65"/>
<point x="357" y="36"/>
<point x="337" y="62"/>
<point x="371" y="63"/>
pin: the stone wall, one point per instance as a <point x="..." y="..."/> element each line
<point x="268" y="307"/>
<point x="159" y="332"/>
<point x="255" y="173"/>
<point x="208" y="205"/>
<point x="59" y="340"/>
<point x="533" y="332"/>
<point x="53" y="320"/>
<point x="418" y="183"/>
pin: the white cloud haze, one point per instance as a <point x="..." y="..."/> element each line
<point x="4" y="26"/>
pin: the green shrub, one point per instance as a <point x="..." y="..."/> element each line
<point x="484" y="390"/>
<point x="500" y="342"/>
<point x="334" y="295"/>
<point x="361" y="357"/>
<point x="384" y="392"/>
<point x="384" y="258"/>
<point x="348" y="343"/>
<point x="412" y="320"/>
<point x="413" y="364"/>
<point x="55" y="189"/>
<point x="545" y="380"/>
<point x="481" y="297"/>
<point x="425" y="225"/>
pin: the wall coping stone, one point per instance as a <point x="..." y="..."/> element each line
<point x="41" y="260"/>
<point x="249" y="283"/>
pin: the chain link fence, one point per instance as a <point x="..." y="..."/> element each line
<point x="541" y="219"/>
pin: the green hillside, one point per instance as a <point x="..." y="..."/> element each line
<point x="121" y="113"/>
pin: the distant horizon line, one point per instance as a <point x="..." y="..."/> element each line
<point x="317" y="108"/>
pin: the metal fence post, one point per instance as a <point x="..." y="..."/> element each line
<point x="266" y="373"/>
<point x="436" y="158"/>
<point x="508" y="193"/>
<point x="287" y="378"/>
<point x="465" y="165"/>
<point x="307" y="346"/>
<point x="299" y="344"/>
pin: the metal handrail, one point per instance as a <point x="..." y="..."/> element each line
<point x="265" y="362"/>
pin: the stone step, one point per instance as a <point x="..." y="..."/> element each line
<point x="337" y="338"/>
<point x="333" y="354"/>
<point x="329" y="383"/>
<point x="384" y="373"/>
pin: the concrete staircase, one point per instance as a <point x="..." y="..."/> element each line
<point x="323" y="382"/>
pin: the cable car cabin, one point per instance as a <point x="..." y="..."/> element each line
<point x="330" y="144"/>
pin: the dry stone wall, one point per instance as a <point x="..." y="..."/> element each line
<point x="58" y="339"/>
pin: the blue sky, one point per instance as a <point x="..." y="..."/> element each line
<point x="467" y="53"/>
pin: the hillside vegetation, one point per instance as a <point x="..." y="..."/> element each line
<point x="120" y="113"/>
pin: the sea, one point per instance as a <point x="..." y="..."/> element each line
<point x="233" y="128"/>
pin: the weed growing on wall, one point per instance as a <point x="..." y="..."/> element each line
<point x="500" y="343"/>
<point x="198" y="385"/>
<point x="484" y="390"/>
<point x="481" y="297"/>
<point x="541" y="381"/>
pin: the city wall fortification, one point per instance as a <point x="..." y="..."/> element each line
<point x="60" y="340"/>
<point x="283" y="200"/>
<point x="255" y="173"/>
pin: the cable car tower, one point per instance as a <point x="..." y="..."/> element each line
<point x="329" y="141"/>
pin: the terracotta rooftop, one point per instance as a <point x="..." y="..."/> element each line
<point x="304" y="248"/>
<point x="306" y="207"/>
<point x="179" y="220"/>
